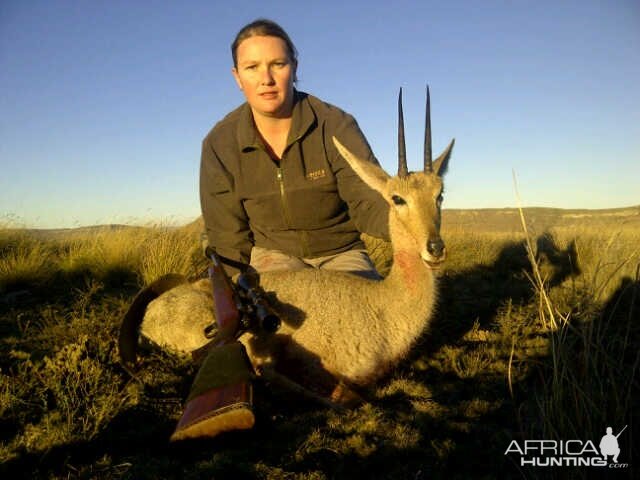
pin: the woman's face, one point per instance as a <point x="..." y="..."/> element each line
<point x="265" y="74"/>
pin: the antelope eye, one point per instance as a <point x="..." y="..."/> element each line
<point x="398" y="200"/>
<point x="439" y="199"/>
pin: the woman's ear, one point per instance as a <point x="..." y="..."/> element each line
<point x="236" y="76"/>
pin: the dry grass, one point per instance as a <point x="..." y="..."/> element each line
<point x="23" y="261"/>
<point x="535" y="337"/>
<point x="169" y="251"/>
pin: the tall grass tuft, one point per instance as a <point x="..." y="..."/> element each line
<point x="23" y="260"/>
<point x="102" y="254"/>
<point x="168" y="250"/>
<point x="593" y="335"/>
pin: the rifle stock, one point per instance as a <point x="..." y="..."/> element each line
<point x="226" y="308"/>
<point x="226" y="303"/>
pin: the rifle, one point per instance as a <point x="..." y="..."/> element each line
<point x="238" y="308"/>
<point x="221" y="396"/>
<point x="625" y="427"/>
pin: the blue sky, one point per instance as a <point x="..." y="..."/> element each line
<point x="103" y="105"/>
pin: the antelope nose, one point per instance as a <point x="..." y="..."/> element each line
<point x="435" y="247"/>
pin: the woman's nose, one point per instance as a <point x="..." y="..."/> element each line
<point x="267" y="77"/>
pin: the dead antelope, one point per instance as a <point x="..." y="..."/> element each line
<point x="353" y="328"/>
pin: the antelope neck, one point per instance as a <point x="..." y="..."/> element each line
<point x="410" y="271"/>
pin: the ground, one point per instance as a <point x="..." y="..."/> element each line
<point x="535" y="337"/>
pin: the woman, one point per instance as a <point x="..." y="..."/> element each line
<point x="274" y="191"/>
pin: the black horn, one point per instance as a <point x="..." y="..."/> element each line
<point x="428" y="162"/>
<point x="402" y="150"/>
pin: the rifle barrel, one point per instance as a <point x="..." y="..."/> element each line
<point x="621" y="431"/>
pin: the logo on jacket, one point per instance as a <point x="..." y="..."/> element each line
<point x="316" y="174"/>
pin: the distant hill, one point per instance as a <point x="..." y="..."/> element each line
<point x="54" y="233"/>
<point x="478" y="220"/>
<point x="538" y="218"/>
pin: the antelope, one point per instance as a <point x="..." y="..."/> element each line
<point x="353" y="328"/>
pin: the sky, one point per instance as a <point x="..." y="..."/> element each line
<point x="104" y="105"/>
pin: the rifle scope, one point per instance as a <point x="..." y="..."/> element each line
<point x="262" y="314"/>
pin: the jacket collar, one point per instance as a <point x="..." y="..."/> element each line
<point x="302" y="119"/>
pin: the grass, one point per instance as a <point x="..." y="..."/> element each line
<point x="536" y="337"/>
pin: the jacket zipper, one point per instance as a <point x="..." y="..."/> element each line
<point x="287" y="216"/>
<point x="285" y="209"/>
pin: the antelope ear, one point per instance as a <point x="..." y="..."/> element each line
<point x="442" y="162"/>
<point x="369" y="173"/>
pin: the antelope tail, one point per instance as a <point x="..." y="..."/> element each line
<point x="130" y="326"/>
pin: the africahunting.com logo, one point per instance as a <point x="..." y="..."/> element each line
<point x="569" y="453"/>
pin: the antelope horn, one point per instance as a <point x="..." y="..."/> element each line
<point x="403" y="171"/>
<point x="428" y="162"/>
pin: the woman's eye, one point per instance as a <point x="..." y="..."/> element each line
<point x="398" y="200"/>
